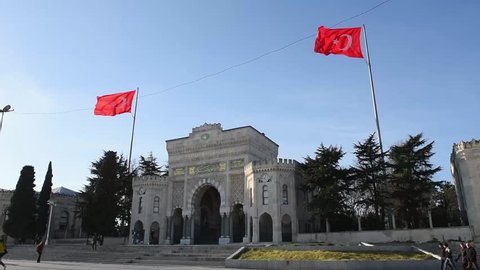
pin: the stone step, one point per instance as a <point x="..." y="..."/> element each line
<point x="150" y="255"/>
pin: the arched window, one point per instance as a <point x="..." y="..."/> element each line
<point x="140" y="205"/>
<point x="156" y="204"/>
<point x="265" y="195"/>
<point x="284" y="194"/>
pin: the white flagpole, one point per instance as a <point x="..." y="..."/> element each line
<point x="133" y="132"/>
<point x="127" y="235"/>
<point x="375" y="111"/>
<point x="372" y="87"/>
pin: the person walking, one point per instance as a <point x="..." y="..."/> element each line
<point x="463" y="255"/>
<point x="94" y="242"/>
<point x="40" y="247"/>
<point x="3" y="251"/>
<point x="471" y="254"/>
<point x="448" y="258"/>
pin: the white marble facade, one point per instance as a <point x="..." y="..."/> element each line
<point x="465" y="168"/>
<point x="223" y="186"/>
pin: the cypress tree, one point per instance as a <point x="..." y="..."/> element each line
<point x="20" y="223"/>
<point x="42" y="203"/>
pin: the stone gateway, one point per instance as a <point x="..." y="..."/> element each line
<point x="223" y="186"/>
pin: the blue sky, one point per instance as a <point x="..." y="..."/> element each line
<point x="57" y="56"/>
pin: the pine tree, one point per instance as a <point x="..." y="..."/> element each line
<point x="370" y="179"/>
<point x="42" y="203"/>
<point x="327" y="182"/>
<point x="149" y="165"/>
<point x="411" y="179"/>
<point x="103" y="195"/>
<point x="20" y="223"/>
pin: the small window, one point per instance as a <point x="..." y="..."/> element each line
<point x="140" y="205"/>
<point x="265" y="195"/>
<point x="156" y="204"/>
<point x="284" y="194"/>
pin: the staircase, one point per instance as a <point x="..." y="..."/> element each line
<point x="207" y="255"/>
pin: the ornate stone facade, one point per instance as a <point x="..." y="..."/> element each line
<point x="223" y="186"/>
<point x="66" y="221"/>
<point x="465" y="168"/>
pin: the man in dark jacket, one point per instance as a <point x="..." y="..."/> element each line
<point x="463" y="255"/>
<point x="471" y="256"/>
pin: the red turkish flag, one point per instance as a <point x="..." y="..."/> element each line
<point x="344" y="41"/>
<point x="113" y="104"/>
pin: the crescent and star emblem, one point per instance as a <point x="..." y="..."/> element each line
<point x="349" y="43"/>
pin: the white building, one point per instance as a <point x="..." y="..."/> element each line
<point x="223" y="186"/>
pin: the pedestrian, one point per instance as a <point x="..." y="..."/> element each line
<point x="463" y="254"/>
<point x="442" y="255"/>
<point x="94" y="242"/>
<point x="471" y="256"/>
<point x="3" y="251"/>
<point x="448" y="258"/>
<point x="40" y="247"/>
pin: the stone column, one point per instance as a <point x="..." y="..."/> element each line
<point x="247" y="229"/>
<point x="185" y="240"/>
<point x="222" y="226"/>
<point x="327" y="225"/>
<point x="393" y="222"/>
<point x="359" y="223"/>
<point x="224" y="238"/>
<point x="430" y="222"/>
<point x="167" y="230"/>
<point x="256" y="227"/>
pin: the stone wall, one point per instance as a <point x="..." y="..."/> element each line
<point x="465" y="168"/>
<point x="417" y="235"/>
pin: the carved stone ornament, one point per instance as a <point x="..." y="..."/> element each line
<point x="265" y="178"/>
<point x="141" y="191"/>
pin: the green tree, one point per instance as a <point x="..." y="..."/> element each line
<point x="149" y="166"/>
<point x="327" y="182"/>
<point x="445" y="211"/>
<point x="104" y="196"/>
<point x="42" y="202"/>
<point x="20" y="223"/>
<point x="370" y="178"/>
<point x="411" y="184"/>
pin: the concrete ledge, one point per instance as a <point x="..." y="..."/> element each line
<point x="233" y="262"/>
<point x="333" y="265"/>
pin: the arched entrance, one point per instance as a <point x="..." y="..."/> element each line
<point x="177" y="224"/>
<point x="154" y="233"/>
<point x="238" y="223"/>
<point x="138" y="233"/>
<point x="207" y="220"/>
<point x="266" y="228"/>
<point x="286" y="228"/>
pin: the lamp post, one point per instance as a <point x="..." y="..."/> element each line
<point x="5" y="109"/>
<point x="51" y="203"/>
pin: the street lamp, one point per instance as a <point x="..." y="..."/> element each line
<point x="51" y="203"/>
<point x="5" y="109"/>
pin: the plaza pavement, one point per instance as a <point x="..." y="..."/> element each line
<point x="58" y="265"/>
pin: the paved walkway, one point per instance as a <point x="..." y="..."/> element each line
<point x="51" y="265"/>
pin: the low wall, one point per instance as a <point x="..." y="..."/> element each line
<point x="334" y="265"/>
<point x="416" y="235"/>
<point x="233" y="262"/>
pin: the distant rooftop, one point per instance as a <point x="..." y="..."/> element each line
<point x="64" y="191"/>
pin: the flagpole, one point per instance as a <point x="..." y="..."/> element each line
<point x="377" y="123"/>
<point x="133" y="132"/>
<point x="127" y="235"/>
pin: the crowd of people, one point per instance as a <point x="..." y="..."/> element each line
<point x="468" y="254"/>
